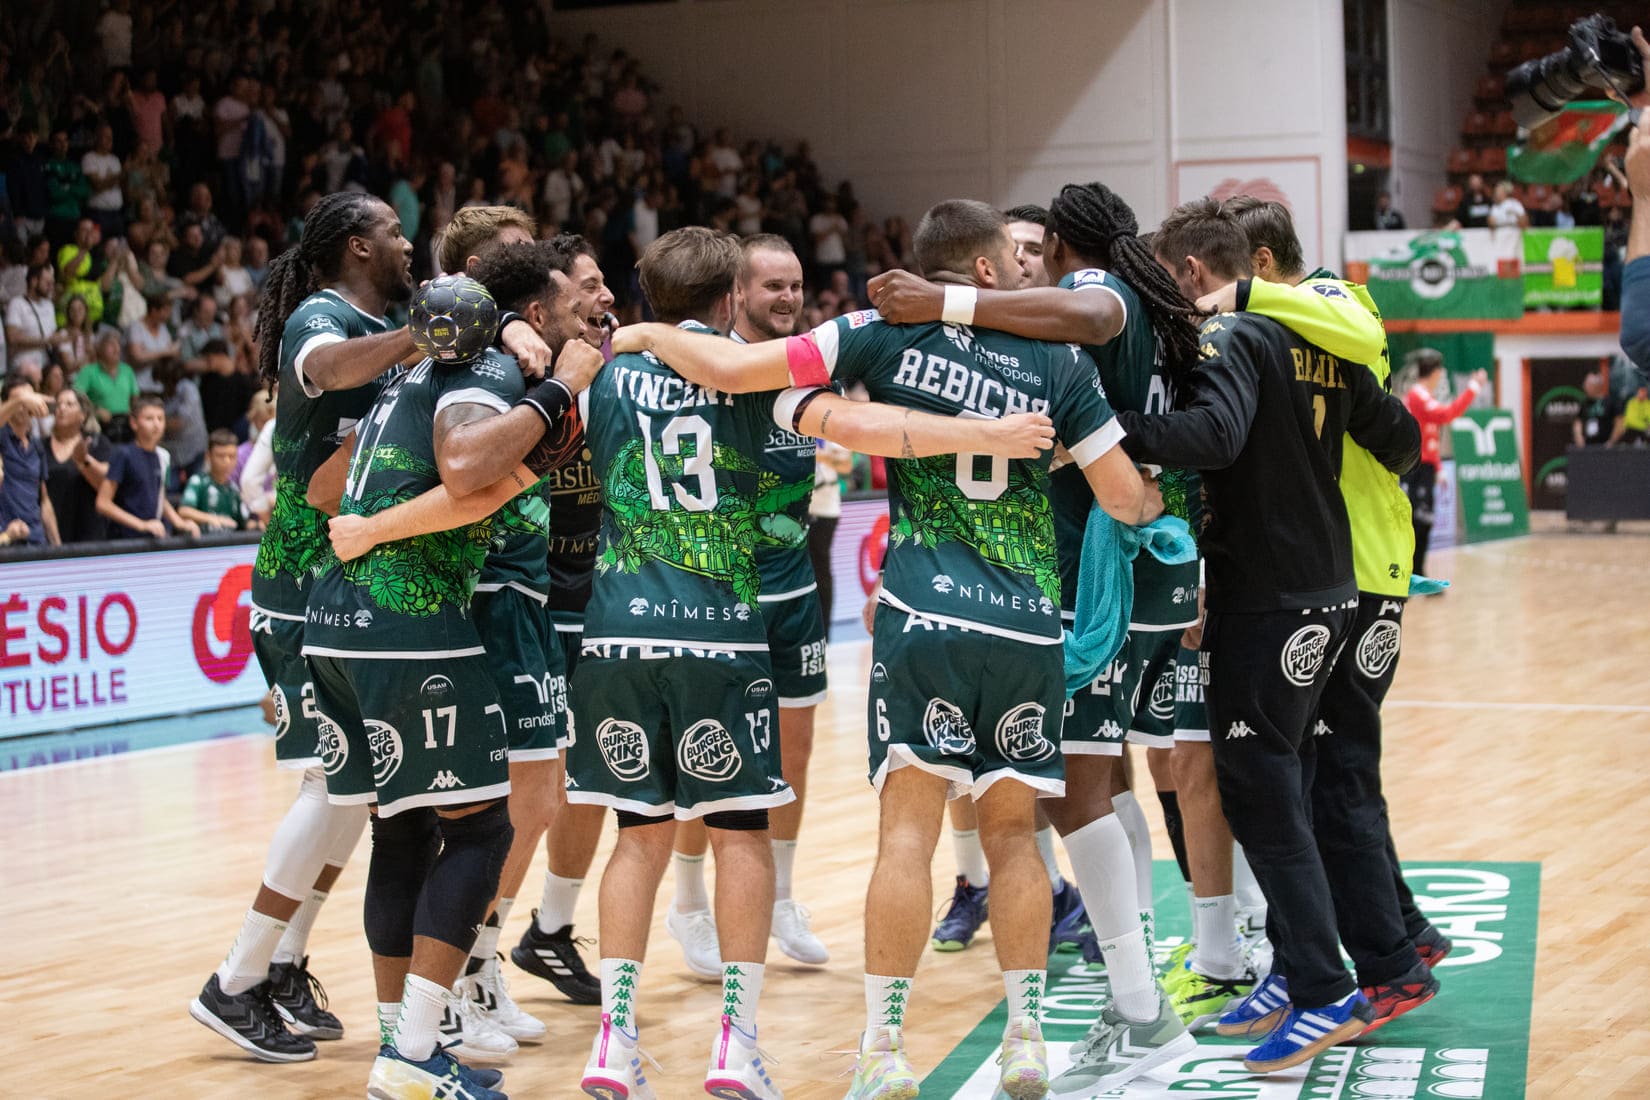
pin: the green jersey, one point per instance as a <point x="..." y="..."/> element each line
<point x="409" y="598"/>
<point x="309" y="425"/>
<point x="785" y="486"/>
<point x="521" y="559"/>
<point x="206" y="495"/>
<point x="680" y="478"/>
<point x="1131" y="367"/>
<point x="971" y="538"/>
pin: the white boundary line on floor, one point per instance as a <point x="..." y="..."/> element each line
<point x="1465" y="704"/>
<point x="113" y="756"/>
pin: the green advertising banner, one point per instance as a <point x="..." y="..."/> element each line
<point x="1564" y="268"/>
<point x="1488" y="481"/>
<point x="1439" y="274"/>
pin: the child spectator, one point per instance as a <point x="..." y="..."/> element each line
<point x="212" y="499"/>
<point x="131" y="496"/>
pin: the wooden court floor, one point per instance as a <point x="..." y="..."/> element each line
<point x="1517" y="730"/>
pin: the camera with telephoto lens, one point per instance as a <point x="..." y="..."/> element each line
<point x="1599" y="57"/>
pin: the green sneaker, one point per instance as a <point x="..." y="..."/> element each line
<point x="1198" y="998"/>
<point x="1116" y="1051"/>
<point x="1174" y="968"/>
<point x="883" y="1071"/>
<point x="1024" y="1059"/>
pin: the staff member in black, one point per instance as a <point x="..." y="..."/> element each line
<point x="1262" y="415"/>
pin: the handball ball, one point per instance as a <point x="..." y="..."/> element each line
<point x="453" y="319"/>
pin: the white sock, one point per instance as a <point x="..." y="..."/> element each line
<point x="247" y="963"/>
<point x="561" y="895"/>
<point x="1244" y="884"/>
<point x="1025" y="994"/>
<point x="423" y="1003"/>
<point x="389" y="1013"/>
<point x="741" y="988"/>
<point x="690" y="884"/>
<point x="619" y="980"/>
<point x="1129" y="970"/>
<point x="784" y="863"/>
<point x="504" y="907"/>
<point x="970" y="856"/>
<point x="294" y="943"/>
<point x="1215" y="922"/>
<point x="1191" y="908"/>
<point x="886" y="1000"/>
<point x="1133" y="818"/>
<point x="486" y="945"/>
<point x="1104" y="869"/>
<point x="1045" y="848"/>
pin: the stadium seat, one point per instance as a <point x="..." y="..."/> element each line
<point x="1446" y="199"/>
<point x="1491" y="161"/>
<point x="1462" y="162"/>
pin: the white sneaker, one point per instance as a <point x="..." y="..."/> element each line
<point x="468" y="1031"/>
<point x="696" y="932"/>
<point x="1024" y="1059"/>
<point x="736" y="1071"/>
<point x="792" y="931"/>
<point x="883" y="1072"/>
<point x="614" y="1071"/>
<point x="488" y="990"/>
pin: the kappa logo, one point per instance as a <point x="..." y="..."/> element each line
<point x="436" y="689"/>
<point x="638" y="606"/>
<point x="943" y="584"/>
<point x="1110" y="731"/>
<point x="1162" y="701"/>
<point x="946" y="728"/>
<point x="879" y="673"/>
<point x="707" y="752"/>
<point x="1321" y="729"/>
<point x="385" y="742"/>
<point x="444" y="781"/>
<point x="1303" y="654"/>
<point x="1239" y="729"/>
<point x="330" y="745"/>
<point x="624" y="749"/>
<point x="283" y="716"/>
<point x="1020" y="734"/>
<point x="1378" y="648"/>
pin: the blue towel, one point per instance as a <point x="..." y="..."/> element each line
<point x="1105" y="587"/>
<point x="1425" y="586"/>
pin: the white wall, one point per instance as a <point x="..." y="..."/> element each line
<point x="1439" y="49"/>
<point x="919" y="100"/>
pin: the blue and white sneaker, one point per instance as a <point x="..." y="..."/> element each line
<point x="438" y="1077"/>
<point x="1306" y="1032"/>
<point x="1257" y="1013"/>
<point x="1070" y="921"/>
<point x="969" y="909"/>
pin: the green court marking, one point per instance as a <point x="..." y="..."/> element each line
<point x="1471" y="1041"/>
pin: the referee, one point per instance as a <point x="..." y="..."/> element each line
<point x="1263" y="416"/>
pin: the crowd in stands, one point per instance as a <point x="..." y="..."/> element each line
<point x="155" y="156"/>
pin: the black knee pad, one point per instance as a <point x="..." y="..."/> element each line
<point x="738" y="821"/>
<point x="629" y="819"/>
<point x="403" y="848"/>
<point x="464" y="878"/>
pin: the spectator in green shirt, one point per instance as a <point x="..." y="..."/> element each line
<point x="211" y="498"/>
<point x="66" y="190"/>
<point x="111" y="384"/>
<point x="81" y="272"/>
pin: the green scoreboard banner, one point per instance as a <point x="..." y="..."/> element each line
<point x="1564" y="268"/>
<point x="1488" y="481"/>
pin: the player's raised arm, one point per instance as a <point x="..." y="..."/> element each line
<point x="1037" y="313"/>
<point x="711" y="361"/>
<point x="895" y="432"/>
<point x="438" y="509"/>
<point x="1323" y="313"/>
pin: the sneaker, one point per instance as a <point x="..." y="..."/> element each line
<point x="301" y="1001"/>
<point x="963" y="919"/>
<point x="469" y="1032"/>
<point x="1070" y="919"/>
<point x="1177" y="964"/>
<point x="250" y="1021"/>
<point x="793" y="932"/>
<point x="1432" y="945"/>
<point x="1257" y="1013"/>
<point x="1303" y="1033"/>
<point x="554" y="956"/>
<point x="614" y="1071"/>
<point x="1252" y="921"/>
<point x="1116" y="1051"/>
<point x="1391" y="1000"/>
<point x="395" y="1077"/>
<point x="1197" y="998"/>
<point x="487" y="989"/>
<point x="736" y="1071"/>
<point x="696" y="932"/>
<point x="1024" y="1059"/>
<point x="883" y="1071"/>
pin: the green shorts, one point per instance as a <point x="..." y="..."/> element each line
<point x="278" y="645"/>
<point x="524" y="656"/>
<point x="570" y="632"/>
<point x="933" y="686"/>
<point x="670" y="731"/>
<point x="405" y="732"/>
<point x="1117" y="707"/>
<point x="796" y="646"/>
<point x="1191" y="675"/>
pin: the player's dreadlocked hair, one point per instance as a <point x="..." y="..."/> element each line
<point x="299" y="271"/>
<point x="1095" y="223"/>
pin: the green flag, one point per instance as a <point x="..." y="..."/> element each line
<point x="1565" y="148"/>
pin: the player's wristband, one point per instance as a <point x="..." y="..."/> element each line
<point x="551" y="399"/>
<point x="504" y="321"/>
<point x="959" y="305"/>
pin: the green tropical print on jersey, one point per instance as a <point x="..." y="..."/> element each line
<point x="291" y="549"/>
<point x="775" y="498"/>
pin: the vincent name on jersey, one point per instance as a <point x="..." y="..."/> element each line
<point x="664" y="392"/>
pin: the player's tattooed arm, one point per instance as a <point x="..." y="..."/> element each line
<point x="325" y="491"/>
<point x="438" y="509"/>
<point x="476" y="445"/>
<point x="1037" y="313"/>
<point x="892" y="431"/>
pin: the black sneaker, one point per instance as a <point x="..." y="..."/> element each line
<point x="554" y="956"/>
<point x="251" y="1022"/>
<point x="301" y="1001"/>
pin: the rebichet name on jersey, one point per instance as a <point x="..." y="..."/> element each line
<point x="955" y="382"/>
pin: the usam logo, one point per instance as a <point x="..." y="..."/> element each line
<point x="223" y="620"/>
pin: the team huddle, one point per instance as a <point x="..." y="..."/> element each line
<point x="505" y="591"/>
